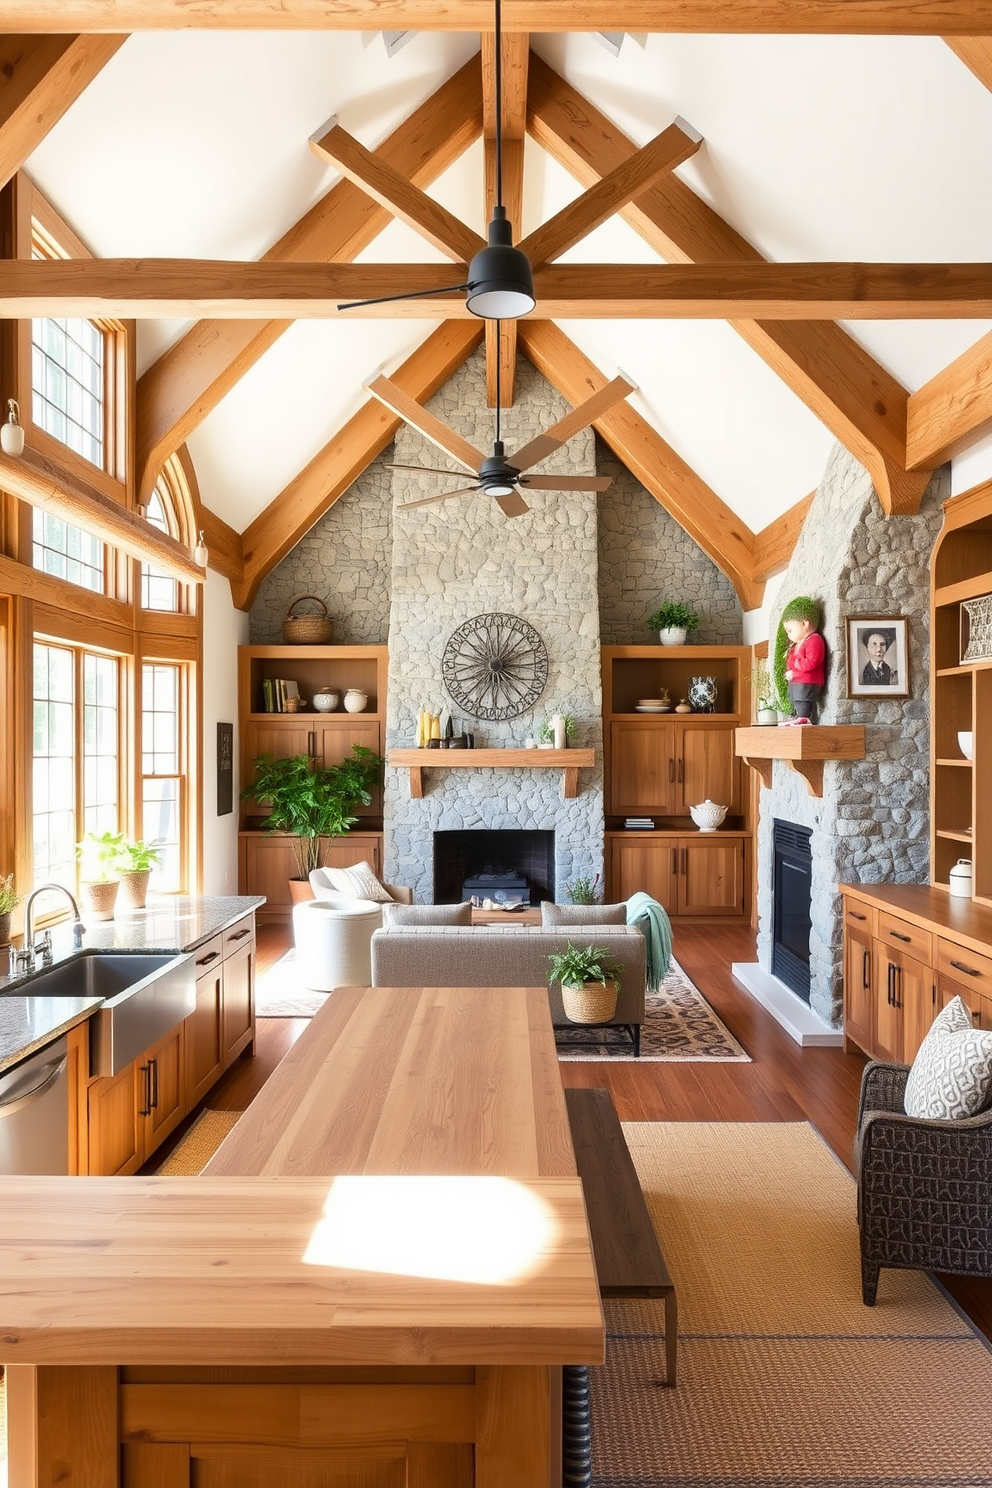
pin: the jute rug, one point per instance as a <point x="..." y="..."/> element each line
<point x="785" y="1379"/>
<point x="679" y="1023"/>
<point x="191" y="1155"/>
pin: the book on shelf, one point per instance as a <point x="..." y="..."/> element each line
<point x="639" y="823"/>
<point x="268" y="705"/>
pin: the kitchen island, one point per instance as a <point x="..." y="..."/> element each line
<point x="375" y="1283"/>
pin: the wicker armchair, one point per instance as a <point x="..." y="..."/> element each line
<point x="924" y="1187"/>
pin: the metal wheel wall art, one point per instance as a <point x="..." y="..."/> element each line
<point x="495" y="666"/>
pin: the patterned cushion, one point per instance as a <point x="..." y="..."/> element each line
<point x="359" y="882"/>
<point x="583" y="914"/>
<point x="400" y="916"/>
<point x="951" y="1076"/>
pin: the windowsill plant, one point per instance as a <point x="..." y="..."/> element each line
<point x="9" y="900"/>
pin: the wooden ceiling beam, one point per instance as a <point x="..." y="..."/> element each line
<point x="854" y="396"/>
<point x="516" y="62"/>
<point x="42" y="483"/>
<point x="385" y="185"/>
<point x="267" y="540"/>
<point x="953" y="409"/>
<point x="976" y="54"/>
<point x="673" y="483"/>
<point x="190" y="379"/>
<point x="733" y="17"/>
<point x="611" y="192"/>
<point x="40" y="78"/>
<point x="774" y="544"/>
<point x="153" y="288"/>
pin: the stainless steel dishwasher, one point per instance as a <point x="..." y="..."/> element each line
<point x="34" y="1114"/>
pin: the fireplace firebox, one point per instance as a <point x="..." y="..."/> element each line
<point x="504" y="866"/>
<point x="791" y="897"/>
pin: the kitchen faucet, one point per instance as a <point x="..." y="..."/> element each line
<point x="78" y="928"/>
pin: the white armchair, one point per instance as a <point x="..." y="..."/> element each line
<point x="333" y="933"/>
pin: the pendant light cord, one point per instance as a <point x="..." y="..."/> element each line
<point x="499" y="108"/>
<point x="499" y="358"/>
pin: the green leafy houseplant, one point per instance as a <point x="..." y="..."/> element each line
<point x="588" y="982"/>
<point x="309" y="802"/>
<point x="582" y="890"/>
<point x="100" y="857"/>
<point x="138" y="857"/>
<point x="9" y="897"/>
<point x="674" y="617"/>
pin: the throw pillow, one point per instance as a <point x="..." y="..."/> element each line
<point x="359" y="882"/>
<point x="402" y="916"/>
<point x="951" y="1076"/>
<point x="583" y="914"/>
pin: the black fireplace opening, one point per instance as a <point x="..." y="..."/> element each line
<point x="791" y="898"/>
<point x="506" y="867"/>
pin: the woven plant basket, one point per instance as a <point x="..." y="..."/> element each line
<point x="306" y="630"/>
<point x="589" y="1002"/>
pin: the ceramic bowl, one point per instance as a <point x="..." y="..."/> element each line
<point x="708" y="815"/>
<point x="966" y="744"/>
<point x="326" y="702"/>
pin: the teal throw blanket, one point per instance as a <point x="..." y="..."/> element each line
<point x="650" y="918"/>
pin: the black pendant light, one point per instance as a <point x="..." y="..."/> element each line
<point x="500" y="282"/>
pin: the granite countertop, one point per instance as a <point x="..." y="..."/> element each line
<point x="168" y="925"/>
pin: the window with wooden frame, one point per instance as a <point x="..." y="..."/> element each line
<point x="164" y="791"/>
<point x="77" y="751"/>
<point x="171" y="509"/>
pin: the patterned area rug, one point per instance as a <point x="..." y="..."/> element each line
<point x="785" y="1379"/>
<point x="679" y="1022"/>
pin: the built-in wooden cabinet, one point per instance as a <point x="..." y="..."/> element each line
<point x="123" y="1118"/>
<point x="267" y="863"/>
<point x="657" y="765"/>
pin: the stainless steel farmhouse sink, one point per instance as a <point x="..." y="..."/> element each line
<point x="146" y="997"/>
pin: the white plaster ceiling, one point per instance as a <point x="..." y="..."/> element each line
<point x="195" y="144"/>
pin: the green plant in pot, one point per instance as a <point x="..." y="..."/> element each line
<point x="582" y="889"/>
<point x="765" y="696"/>
<point x="137" y="859"/>
<point x="311" y="803"/>
<point x="9" y="900"/>
<point x="99" y="857"/>
<point x="588" y="982"/>
<point x="674" y="623"/>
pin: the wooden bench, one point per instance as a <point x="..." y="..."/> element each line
<point x="629" y="1262"/>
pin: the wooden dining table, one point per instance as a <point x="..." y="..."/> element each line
<point x="375" y="1281"/>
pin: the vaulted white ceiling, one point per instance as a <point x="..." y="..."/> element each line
<point x="194" y="144"/>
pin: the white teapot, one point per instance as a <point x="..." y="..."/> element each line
<point x="355" y="701"/>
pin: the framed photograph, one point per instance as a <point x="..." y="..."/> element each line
<point x="877" y="656"/>
<point x="225" y="768"/>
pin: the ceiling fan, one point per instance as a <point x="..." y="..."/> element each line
<point x="497" y="475"/>
<point x="500" y="283"/>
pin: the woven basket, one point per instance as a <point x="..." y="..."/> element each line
<point x="306" y="630"/>
<point x="590" y="1002"/>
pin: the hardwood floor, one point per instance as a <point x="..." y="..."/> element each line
<point x="782" y="1083"/>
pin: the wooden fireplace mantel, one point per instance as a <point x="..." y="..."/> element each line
<point x="569" y="761"/>
<point x="804" y="747"/>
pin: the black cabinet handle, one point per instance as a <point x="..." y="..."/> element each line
<point x="206" y="960"/>
<point x="671" y="772"/>
<point x="896" y="936"/>
<point x="146" y="1110"/>
<point x="853" y="913"/>
<point x="968" y="970"/>
<point x="890" y="996"/>
<point x="897" y="980"/>
<point x="675" y="861"/>
<point x="866" y="970"/>
<point x="240" y="935"/>
<point x="153" y="1084"/>
<point x="685" y="858"/>
<point x="681" y="770"/>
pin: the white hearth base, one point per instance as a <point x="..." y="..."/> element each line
<point x="798" y="1020"/>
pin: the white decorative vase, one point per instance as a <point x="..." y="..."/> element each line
<point x="708" y="815"/>
<point x="674" y="636"/>
<point x="558" y="728"/>
<point x="326" y="700"/>
<point x="355" y="701"/>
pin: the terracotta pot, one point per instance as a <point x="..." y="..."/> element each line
<point x="99" y="899"/>
<point x="300" y="890"/>
<point x="589" y="1002"/>
<point x="5" y="929"/>
<point x="134" y="888"/>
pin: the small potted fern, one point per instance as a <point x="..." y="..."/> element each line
<point x="589" y="988"/>
<point x="673" y="622"/>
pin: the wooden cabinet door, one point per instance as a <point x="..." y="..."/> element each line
<point x="202" y="1049"/>
<point x="888" y="1020"/>
<point x="282" y="736"/>
<point x="642" y="768"/>
<point x="114" y="1128"/>
<point x="706" y="768"/>
<point x="859" y="994"/>
<point x="335" y="741"/>
<point x="354" y="847"/>
<point x="238" y="1003"/>
<point x="917" y="995"/>
<point x="161" y="1088"/>
<point x="644" y="865"/>
<point x="270" y="863"/>
<point x="711" y="876"/>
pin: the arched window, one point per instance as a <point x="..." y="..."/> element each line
<point x="170" y="509"/>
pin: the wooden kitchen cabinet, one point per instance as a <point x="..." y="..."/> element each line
<point x="694" y="877"/>
<point x="203" y="1048"/>
<point x="661" y="769"/>
<point x="114" y="1129"/>
<point x="859" y="984"/>
<point x="238" y="1003"/>
<point x="640" y="863"/>
<point x="161" y="1090"/>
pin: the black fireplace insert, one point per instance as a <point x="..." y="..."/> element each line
<point x="791" y="895"/>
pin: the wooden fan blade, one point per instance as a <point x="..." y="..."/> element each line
<point x="442" y="496"/>
<point x="566" y="482"/>
<point x="579" y="418"/>
<point x="513" y="505"/>
<point x="432" y="428"/>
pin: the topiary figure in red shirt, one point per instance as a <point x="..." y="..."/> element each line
<point x="801" y="657"/>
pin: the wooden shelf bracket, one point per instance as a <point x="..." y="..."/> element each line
<point x="804" y="748"/>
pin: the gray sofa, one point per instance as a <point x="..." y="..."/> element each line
<point x="517" y="956"/>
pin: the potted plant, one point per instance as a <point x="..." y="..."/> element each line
<point x="558" y="737"/>
<point x="763" y="688"/>
<point x="582" y="890"/>
<point x="588" y="982"/>
<point x="673" y="622"/>
<point x="9" y="900"/>
<point x="99" y="856"/>
<point x="137" y="859"/>
<point x="309" y="802"/>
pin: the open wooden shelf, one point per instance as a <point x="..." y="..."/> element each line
<point x="805" y="747"/>
<point x="569" y="761"/>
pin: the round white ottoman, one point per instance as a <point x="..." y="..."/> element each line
<point x="333" y="942"/>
